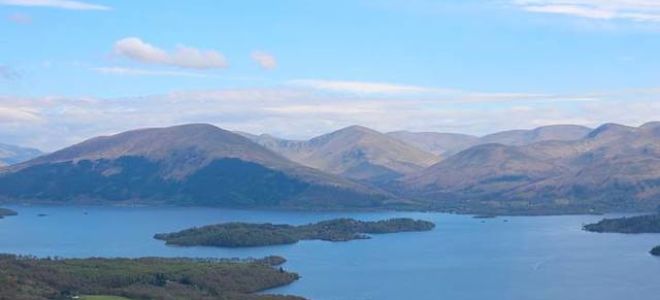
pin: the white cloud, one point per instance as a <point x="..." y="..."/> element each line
<point x="10" y="114"/>
<point x="183" y="56"/>
<point x="53" y="122"/>
<point x="143" y="72"/>
<point x="63" y="4"/>
<point x="359" y="87"/>
<point x="265" y="60"/>
<point x="632" y="10"/>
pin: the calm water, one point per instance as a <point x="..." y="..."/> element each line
<point x="463" y="258"/>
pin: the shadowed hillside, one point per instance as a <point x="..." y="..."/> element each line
<point x="185" y="165"/>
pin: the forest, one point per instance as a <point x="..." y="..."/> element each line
<point x="23" y="278"/>
<point x="254" y="235"/>
<point x="637" y="224"/>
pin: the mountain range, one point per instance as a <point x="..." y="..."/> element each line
<point x="10" y="154"/>
<point x="551" y="169"/>
<point x="354" y="152"/>
<point x="194" y="164"/>
<point x="612" y="168"/>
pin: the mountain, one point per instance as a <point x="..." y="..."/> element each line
<point x="441" y="144"/>
<point x="195" y="164"/>
<point x="355" y="152"/>
<point x="10" y="154"/>
<point x="447" y="144"/>
<point x="612" y="168"/>
<point x="540" y="134"/>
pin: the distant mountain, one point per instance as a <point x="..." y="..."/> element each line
<point x="10" y="154"/>
<point x="193" y="164"/>
<point x="612" y="168"/>
<point x="354" y="152"/>
<point x="545" y="133"/>
<point x="447" y="144"/>
<point x="441" y="144"/>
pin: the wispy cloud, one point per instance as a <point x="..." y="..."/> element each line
<point x="19" y="18"/>
<point x="265" y="60"/>
<point x="8" y="73"/>
<point x="62" y="4"/>
<point x="183" y="56"/>
<point x="632" y="10"/>
<point x="53" y="122"/>
<point x="359" y="87"/>
<point x="144" y="72"/>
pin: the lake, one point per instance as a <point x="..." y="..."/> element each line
<point x="462" y="258"/>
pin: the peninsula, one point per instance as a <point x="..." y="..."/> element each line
<point x="142" y="278"/>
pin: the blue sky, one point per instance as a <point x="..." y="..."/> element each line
<point x="300" y="68"/>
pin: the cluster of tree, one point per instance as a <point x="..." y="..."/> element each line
<point x="252" y="235"/>
<point x="143" y="278"/>
<point x="655" y="251"/>
<point x="637" y="224"/>
<point x="5" y="212"/>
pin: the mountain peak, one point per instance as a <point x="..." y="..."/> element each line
<point x="609" y="129"/>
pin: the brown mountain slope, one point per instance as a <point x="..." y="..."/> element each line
<point x="613" y="168"/>
<point x="447" y="144"/>
<point x="189" y="164"/>
<point x="354" y="152"/>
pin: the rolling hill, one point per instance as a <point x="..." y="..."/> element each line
<point x="194" y="164"/>
<point x="447" y="144"/>
<point x="612" y="168"/>
<point x="10" y="154"/>
<point x="355" y="152"/>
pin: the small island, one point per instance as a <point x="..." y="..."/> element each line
<point x="637" y="224"/>
<point x="655" y="251"/>
<point x="254" y="235"/>
<point x="5" y="212"/>
<point x="143" y="278"/>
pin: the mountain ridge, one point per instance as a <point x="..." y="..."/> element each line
<point x="186" y="164"/>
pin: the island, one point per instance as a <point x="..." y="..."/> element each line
<point x="141" y="278"/>
<point x="254" y="235"/>
<point x="5" y="212"/>
<point x="655" y="251"/>
<point x="637" y="224"/>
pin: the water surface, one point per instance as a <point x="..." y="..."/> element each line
<point x="463" y="258"/>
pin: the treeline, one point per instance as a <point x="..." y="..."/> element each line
<point x="23" y="278"/>
<point x="638" y="224"/>
<point x="252" y="235"/>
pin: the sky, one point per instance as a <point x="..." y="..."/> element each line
<point x="72" y="70"/>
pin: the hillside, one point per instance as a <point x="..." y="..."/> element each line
<point x="613" y="168"/>
<point x="354" y="152"/>
<point x="10" y="154"/>
<point x="441" y="144"/>
<point x="447" y="144"/>
<point x="141" y="278"/>
<point x="195" y="164"/>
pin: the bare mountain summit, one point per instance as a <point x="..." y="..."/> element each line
<point x="447" y="144"/>
<point x="354" y="152"/>
<point x="612" y="168"/>
<point x="194" y="164"/>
